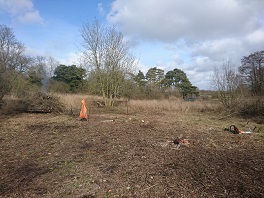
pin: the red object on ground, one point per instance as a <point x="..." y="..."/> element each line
<point x="83" y="112"/>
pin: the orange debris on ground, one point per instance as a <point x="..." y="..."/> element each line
<point x="83" y="112"/>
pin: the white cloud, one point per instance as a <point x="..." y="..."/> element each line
<point x="169" y="20"/>
<point x="198" y="36"/>
<point x="142" y="67"/>
<point x="256" y="37"/>
<point x="15" y="7"/>
<point x="22" y="11"/>
<point x="31" y="52"/>
<point x="195" y="78"/>
<point x="101" y="8"/>
<point x="31" y="17"/>
<point x="219" y="49"/>
<point x="71" y="59"/>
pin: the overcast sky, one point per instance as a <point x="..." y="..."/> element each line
<point x="191" y="35"/>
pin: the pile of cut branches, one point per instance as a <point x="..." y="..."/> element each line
<point x="42" y="103"/>
<point x="33" y="102"/>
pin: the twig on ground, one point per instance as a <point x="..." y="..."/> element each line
<point x="149" y="187"/>
<point x="227" y="115"/>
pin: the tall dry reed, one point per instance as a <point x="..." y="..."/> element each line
<point x="171" y="105"/>
<point x="73" y="101"/>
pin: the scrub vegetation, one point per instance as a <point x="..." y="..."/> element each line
<point x="146" y="135"/>
<point x="130" y="151"/>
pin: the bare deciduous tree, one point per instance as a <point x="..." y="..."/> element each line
<point x="252" y="68"/>
<point x="108" y="57"/>
<point x="12" y="60"/>
<point x="11" y="49"/>
<point x="43" y="68"/>
<point x="227" y="81"/>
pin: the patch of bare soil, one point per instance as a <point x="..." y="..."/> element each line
<point x="115" y="155"/>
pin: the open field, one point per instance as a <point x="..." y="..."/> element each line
<point x="115" y="154"/>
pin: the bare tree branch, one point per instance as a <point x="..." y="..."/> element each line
<point x="107" y="56"/>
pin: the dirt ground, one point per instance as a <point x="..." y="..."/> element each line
<point x="119" y="155"/>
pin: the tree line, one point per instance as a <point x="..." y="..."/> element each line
<point x="108" y="69"/>
<point x="241" y="89"/>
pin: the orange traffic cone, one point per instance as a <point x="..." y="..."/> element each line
<point x="83" y="112"/>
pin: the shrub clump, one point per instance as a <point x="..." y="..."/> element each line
<point x="253" y="108"/>
<point x="34" y="102"/>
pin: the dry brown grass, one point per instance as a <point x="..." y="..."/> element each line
<point x="72" y="102"/>
<point x="115" y="154"/>
<point x="178" y="105"/>
<point x="118" y="155"/>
